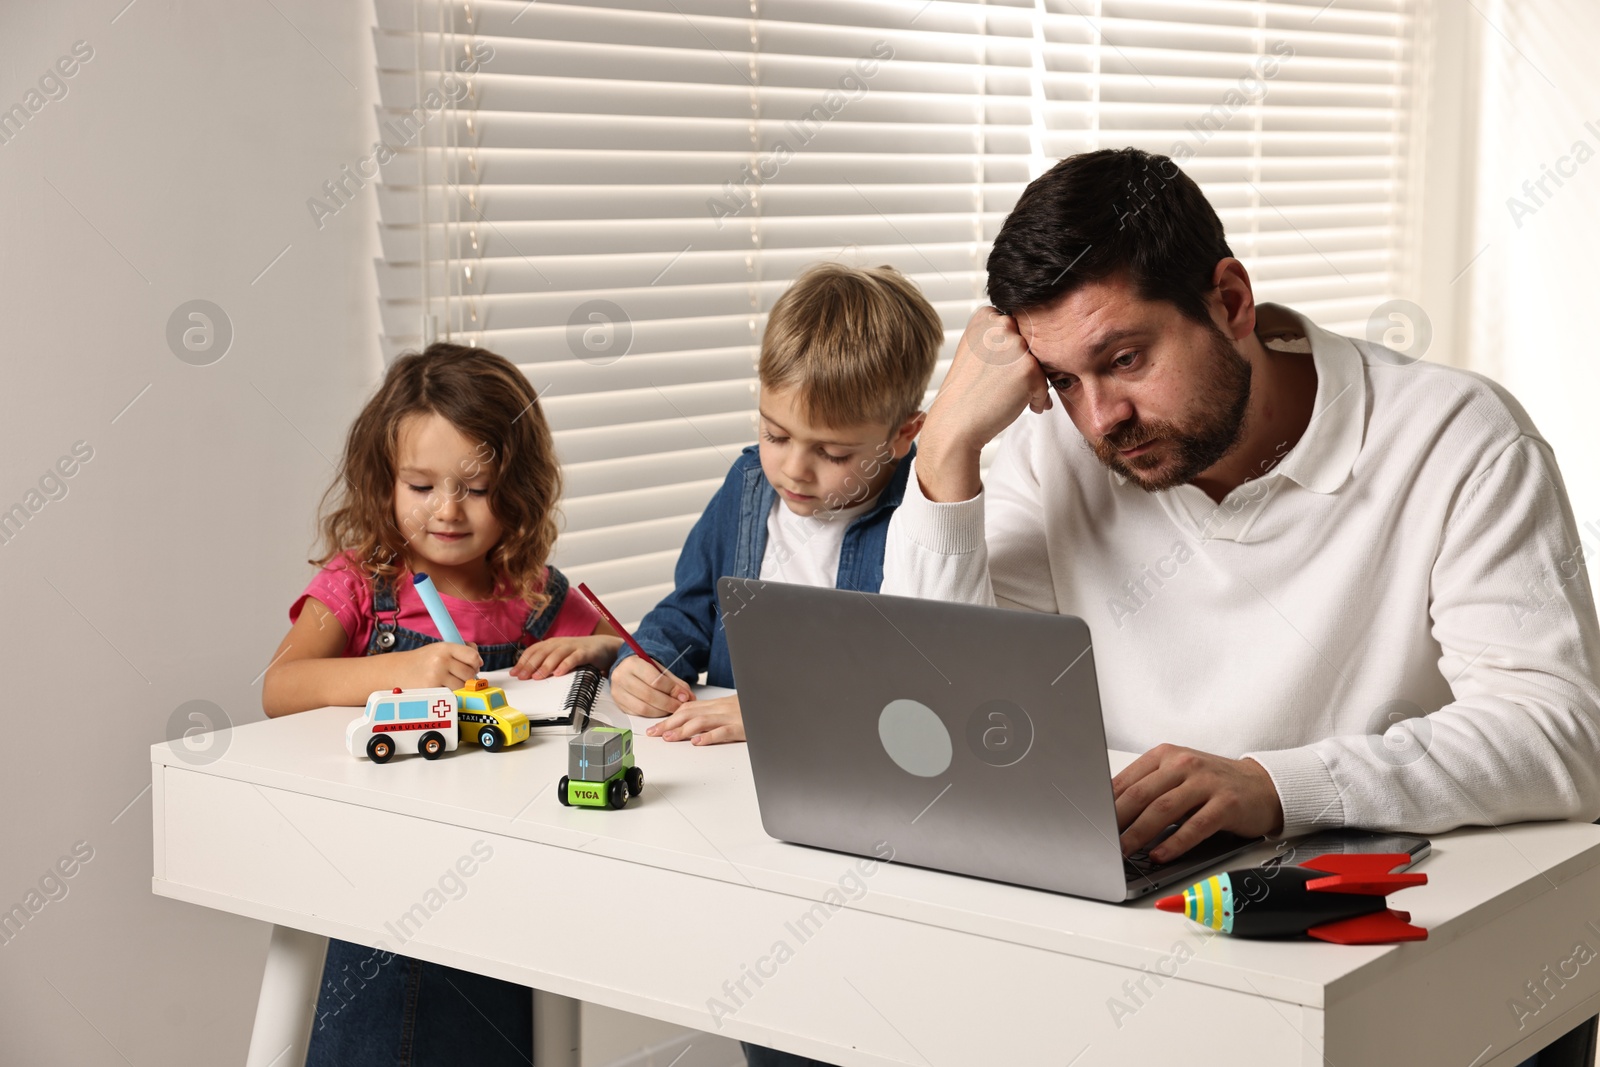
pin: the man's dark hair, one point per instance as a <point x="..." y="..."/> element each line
<point x="1115" y="211"/>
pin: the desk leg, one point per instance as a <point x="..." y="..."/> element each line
<point x="556" y="1030"/>
<point x="288" y="1004"/>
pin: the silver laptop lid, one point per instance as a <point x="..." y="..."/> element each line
<point x="968" y="739"/>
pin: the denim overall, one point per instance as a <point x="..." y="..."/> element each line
<point x="380" y="1009"/>
<point x="389" y="636"/>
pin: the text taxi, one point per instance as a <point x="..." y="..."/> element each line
<point x="486" y="717"/>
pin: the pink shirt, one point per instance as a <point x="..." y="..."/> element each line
<point x="484" y="622"/>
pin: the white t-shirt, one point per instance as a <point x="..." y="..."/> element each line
<point x="804" y="549"/>
<point x="1395" y="621"/>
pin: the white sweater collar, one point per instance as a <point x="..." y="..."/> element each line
<point x="1322" y="459"/>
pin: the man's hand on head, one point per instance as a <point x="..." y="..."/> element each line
<point x="992" y="378"/>
<point x="1168" y="783"/>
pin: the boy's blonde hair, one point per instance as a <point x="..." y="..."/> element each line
<point x="858" y="343"/>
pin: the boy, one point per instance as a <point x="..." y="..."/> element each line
<point x="845" y="362"/>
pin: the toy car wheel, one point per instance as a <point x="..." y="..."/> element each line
<point x="617" y="793"/>
<point x="561" y="792"/>
<point x="491" y="739"/>
<point x="635" y="781"/>
<point x="379" y="749"/>
<point x="432" y="745"/>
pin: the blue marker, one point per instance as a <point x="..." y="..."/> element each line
<point x="436" y="609"/>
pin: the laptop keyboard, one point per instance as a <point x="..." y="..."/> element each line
<point x="1138" y="864"/>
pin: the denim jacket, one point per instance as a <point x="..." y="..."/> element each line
<point x="684" y="632"/>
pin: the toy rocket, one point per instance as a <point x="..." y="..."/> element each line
<point x="1338" y="898"/>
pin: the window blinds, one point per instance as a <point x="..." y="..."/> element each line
<point x="613" y="192"/>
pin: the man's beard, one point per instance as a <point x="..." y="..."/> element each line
<point x="1186" y="450"/>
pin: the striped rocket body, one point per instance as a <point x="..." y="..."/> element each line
<point x="1269" y="902"/>
<point x="1210" y="903"/>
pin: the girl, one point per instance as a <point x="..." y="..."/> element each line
<point x="450" y="470"/>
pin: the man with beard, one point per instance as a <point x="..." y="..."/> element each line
<point x="1327" y="586"/>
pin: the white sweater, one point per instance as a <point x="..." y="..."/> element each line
<point x="1396" y="622"/>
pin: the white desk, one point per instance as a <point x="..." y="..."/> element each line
<point x="661" y="907"/>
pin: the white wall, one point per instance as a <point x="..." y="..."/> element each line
<point x="176" y="167"/>
<point x="1534" y="284"/>
<point x="183" y="153"/>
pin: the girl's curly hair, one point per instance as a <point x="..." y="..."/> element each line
<point x="487" y="400"/>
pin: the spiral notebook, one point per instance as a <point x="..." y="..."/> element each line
<point x="565" y="700"/>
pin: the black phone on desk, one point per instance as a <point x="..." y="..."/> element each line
<point x="1351" y="840"/>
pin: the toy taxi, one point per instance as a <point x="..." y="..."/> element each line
<point x="600" y="770"/>
<point x="405" y="720"/>
<point x="486" y="717"/>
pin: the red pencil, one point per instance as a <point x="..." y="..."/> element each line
<point x="617" y="626"/>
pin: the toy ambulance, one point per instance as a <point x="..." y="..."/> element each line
<point x="405" y="720"/>
<point x="600" y="770"/>
<point x="486" y="717"/>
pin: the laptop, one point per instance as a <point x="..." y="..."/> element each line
<point x="967" y="739"/>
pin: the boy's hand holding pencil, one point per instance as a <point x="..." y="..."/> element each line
<point x="641" y="688"/>
<point x="639" y="684"/>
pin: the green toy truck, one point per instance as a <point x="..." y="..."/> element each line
<point x="600" y="770"/>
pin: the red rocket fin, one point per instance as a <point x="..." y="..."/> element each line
<point x="1380" y="927"/>
<point x="1366" y="874"/>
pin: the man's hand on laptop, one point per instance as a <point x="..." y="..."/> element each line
<point x="703" y="722"/>
<point x="992" y="378"/>
<point x="1168" y="783"/>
